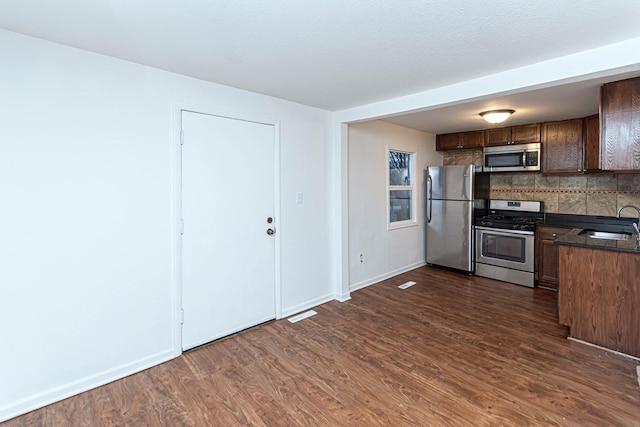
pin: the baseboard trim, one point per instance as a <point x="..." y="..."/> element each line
<point x="343" y="297"/>
<point x="307" y="305"/>
<point x="385" y="276"/>
<point x="57" y="394"/>
<point x="628" y="356"/>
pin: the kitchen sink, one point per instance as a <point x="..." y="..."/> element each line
<point x="594" y="234"/>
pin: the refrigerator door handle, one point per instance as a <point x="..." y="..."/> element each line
<point x="429" y="197"/>
<point x="465" y="191"/>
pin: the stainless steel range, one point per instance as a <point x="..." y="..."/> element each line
<point x="505" y="241"/>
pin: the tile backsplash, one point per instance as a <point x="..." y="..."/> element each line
<point x="462" y="157"/>
<point x="589" y="194"/>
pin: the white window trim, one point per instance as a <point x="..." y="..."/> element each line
<point x="413" y="222"/>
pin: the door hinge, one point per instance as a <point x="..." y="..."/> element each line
<point x="181" y="137"/>
<point x="182" y="316"/>
<point x="181" y="226"/>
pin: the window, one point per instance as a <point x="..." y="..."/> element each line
<point x="401" y="189"/>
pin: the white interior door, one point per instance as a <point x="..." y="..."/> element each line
<point x="228" y="257"/>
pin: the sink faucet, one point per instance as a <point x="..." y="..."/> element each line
<point x="634" y="224"/>
<point x="628" y="206"/>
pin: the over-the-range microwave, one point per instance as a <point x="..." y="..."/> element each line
<point x="512" y="158"/>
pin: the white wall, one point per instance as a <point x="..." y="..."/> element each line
<point x="386" y="252"/>
<point x="86" y="214"/>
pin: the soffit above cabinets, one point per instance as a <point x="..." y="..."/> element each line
<point x="543" y="105"/>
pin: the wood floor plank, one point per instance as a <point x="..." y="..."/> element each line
<point x="451" y="350"/>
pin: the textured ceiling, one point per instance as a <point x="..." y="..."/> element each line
<point x="331" y="54"/>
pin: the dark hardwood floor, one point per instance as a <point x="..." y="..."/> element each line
<point x="452" y="350"/>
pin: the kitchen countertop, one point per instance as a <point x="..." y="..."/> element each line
<point x="578" y="223"/>
<point x="573" y="238"/>
<point x="602" y="223"/>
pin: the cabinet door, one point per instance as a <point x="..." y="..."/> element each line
<point x="498" y="136"/>
<point x="447" y="141"/>
<point x="598" y="297"/>
<point x="548" y="264"/>
<point x="592" y="143"/>
<point x="526" y="134"/>
<point x="547" y="256"/>
<point x="620" y="128"/>
<point x="460" y="140"/>
<point x="473" y="139"/>
<point x="562" y="146"/>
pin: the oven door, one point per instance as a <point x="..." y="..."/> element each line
<point x="505" y="248"/>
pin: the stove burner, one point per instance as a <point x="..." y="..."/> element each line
<point x="493" y="216"/>
<point x="509" y="221"/>
<point x="527" y="220"/>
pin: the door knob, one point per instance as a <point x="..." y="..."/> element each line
<point x="269" y="220"/>
<point x="271" y="232"/>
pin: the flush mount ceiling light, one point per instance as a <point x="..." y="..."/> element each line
<point x="496" y="116"/>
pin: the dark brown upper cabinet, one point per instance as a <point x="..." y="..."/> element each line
<point x="460" y="140"/>
<point x="620" y="125"/>
<point x="562" y="146"/>
<point x="525" y="134"/>
<point x="591" y="132"/>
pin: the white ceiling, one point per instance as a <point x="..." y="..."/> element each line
<point x="337" y="54"/>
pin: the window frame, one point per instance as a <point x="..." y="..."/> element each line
<point x="411" y="187"/>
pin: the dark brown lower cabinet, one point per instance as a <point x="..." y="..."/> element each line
<point x="599" y="297"/>
<point x="547" y="256"/>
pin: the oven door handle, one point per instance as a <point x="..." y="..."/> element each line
<point x="505" y="232"/>
<point x="429" y="198"/>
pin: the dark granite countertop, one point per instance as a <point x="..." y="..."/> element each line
<point x="573" y="238"/>
<point x="601" y="223"/>
<point x="578" y="223"/>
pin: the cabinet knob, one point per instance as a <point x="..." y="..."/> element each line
<point x="555" y="234"/>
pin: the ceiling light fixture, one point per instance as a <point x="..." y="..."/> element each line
<point x="496" y="116"/>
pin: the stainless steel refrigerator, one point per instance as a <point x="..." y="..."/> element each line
<point x="453" y="193"/>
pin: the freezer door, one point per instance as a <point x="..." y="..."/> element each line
<point x="449" y="234"/>
<point x="450" y="182"/>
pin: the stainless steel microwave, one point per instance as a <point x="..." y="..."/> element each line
<point x="512" y="158"/>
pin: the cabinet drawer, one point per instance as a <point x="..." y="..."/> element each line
<point x="550" y="233"/>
